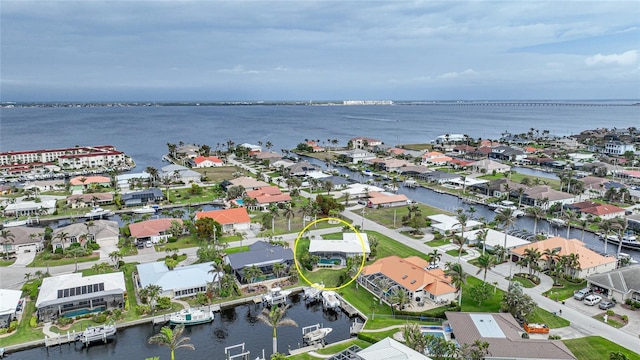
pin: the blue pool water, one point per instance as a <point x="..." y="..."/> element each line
<point x="239" y="201"/>
<point x="83" y="312"/>
<point x="328" y="261"/>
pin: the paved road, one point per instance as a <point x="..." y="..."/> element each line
<point x="581" y="322"/>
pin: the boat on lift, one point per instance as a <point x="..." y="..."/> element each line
<point x="330" y="300"/>
<point x="276" y="296"/>
<point x="191" y="316"/>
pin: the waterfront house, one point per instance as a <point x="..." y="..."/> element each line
<point x="416" y="171"/>
<point x="356" y="156"/>
<point x="386" y="349"/>
<point x="179" y="173"/>
<point x="251" y="147"/>
<point x="155" y="230"/>
<point x="594" y="209"/>
<point x="410" y="275"/>
<point x="314" y="146"/>
<point x="90" y="199"/>
<point x="618" y="148"/>
<point x="130" y="180"/>
<point x="30" y="208"/>
<point x="435" y="158"/>
<point x="236" y="219"/>
<point x="95" y="230"/>
<point x="248" y="183"/>
<point x="544" y="196"/>
<point x="9" y="300"/>
<point x="621" y="284"/>
<point x="45" y="185"/>
<point x="187" y="151"/>
<point x="179" y="282"/>
<point x="25" y="239"/>
<point x="507" y="153"/>
<point x="494" y="238"/>
<point x="363" y="143"/>
<point x="73" y="295"/>
<point x="268" y="156"/>
<point x="142" y="197"/>
<point x="261" y="254"/>
<point x="443" y="223"/>
<point x="303" y="168"/>
<point x="590" y="261"/>
<point x="440" y="177"/>
<point x="86" y="182"/>
<point x="359" y="190"/>
<point x="385" y="200"/>
<point x="505" y="337"/>
<point x="267" y="195"/>
<point x="487" y="166"/>
<point x="205" y="162"/>
<point x="339" y="250"/>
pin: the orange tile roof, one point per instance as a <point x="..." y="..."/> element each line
<point x="151" y="227"/>
<point x="268" y="194"/>
<point x="588" y="258"/>
<point x="226" y="216"/>
<point x="411" y="274"/>
<point x="89" y="180"/>
<point x="377" y="198"/>
<point x="201" y="159"/>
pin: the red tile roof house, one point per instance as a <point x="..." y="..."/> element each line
<point x="206" y="161"/>
<point x="604" y="211"/>
<point x="156" y="230"/>
<point x="91" y="199"/>
<point x="315" y="147"/>
<point x="236" y="219"/>
<point x="84" y="182"/>
<point x="383" y="200"/>
<point x="435" y="158"/>
<point x="268" y="195"/>
<point x="410" y="275"/>
<point x="364" y="143"/>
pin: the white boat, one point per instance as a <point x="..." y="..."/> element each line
<point x="145" y="210"/>
<point x="14" y="223"/>
<point x="97" y="213"/>
<point x="316" y="335"/>
<point x="191" y="317"/>
<point x="97" y="333"/>
<point x="313" y="292"/>
<point x="329" y="300"/>
<point x="557" y="222"/>
<point x="276" y="296"/>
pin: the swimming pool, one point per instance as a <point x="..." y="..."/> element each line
<point x="239" y="201"/>
<point x="330" y="261"/>
<point x="75" y="313"/>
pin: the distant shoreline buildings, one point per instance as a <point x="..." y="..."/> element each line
<point x="367" y="102"/>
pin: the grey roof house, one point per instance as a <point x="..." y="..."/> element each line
<point x="142" y="197"/>
<point x="179" y="173"/>
<point x="620" y="284"/>
<point x="180" y="282"/>
<point x="261" y="254"/>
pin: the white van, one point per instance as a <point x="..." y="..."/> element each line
<point x="592" y="299"/>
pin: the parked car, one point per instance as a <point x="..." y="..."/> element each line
<point x="148" y="243"/>
<point x="606" y="304"/>
<point x="140" y="245"/>
<point x="592" y="299"/>
<point x="580" y="294"/>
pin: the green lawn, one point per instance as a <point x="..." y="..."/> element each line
<point x="517" y="177"/>
<point x="612" y="322"/>
<point x="564" y="292"/>
<point x="526" y="283"/>
<point x="437" y="243"/>
<point x="24" y="332"/>
<point x="236" y="249"/>
<point x="219" y="174"/>
<point x="4" y="262"/>
<point x="469" y="305"/>
<point x="385" y="216"/>
<point x="39" y="262"/>
<point x="454" y="252"/>
<point x="596" y="348"/>
<point x="544" y="317"/>
<point x="339" y="347"/>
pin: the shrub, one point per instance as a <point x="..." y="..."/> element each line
<point x="62" y="321"/>
<point x="625" y="318"/>
<point x="164" y="303"/>
<point x="368" y="338"/>
<point x="58" y="251"/>
<point x="554" y="337"/>
<point x="143" y="309"/>
<point x="93" y="245"/>
<point x="13" y="326"/>
<point x="610" y="312"/>
<point x="172" y="239"/>
<point x="525" y="336"/>
<point x="33" y="322"/>
<point x="3" y="331"/>
<point x="99" y="318"/>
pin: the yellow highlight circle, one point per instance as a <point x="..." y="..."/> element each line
<point x="295" y="258"/>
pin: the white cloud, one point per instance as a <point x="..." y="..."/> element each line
<point x="454" y="75"/>
<point x="626" y="58"/>
<point x="238" y="69"/>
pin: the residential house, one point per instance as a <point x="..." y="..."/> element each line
<point x="86" y="182"/>
<point x="282" y="164"/>
<point x="505" y="337"/>
<point x="155" y="230"/>
<point x="594" y="209"/>
<point x="416" y="171"/>
<point x="463" y="149"/>
<point x="248" y="183"/>
<point x="253" y="149"/>
<point x="179" y="282"/>
<point x="73" y="294"/>
<point x="544" y="196"/>
<point x="394" y="164"/>
<point x="443" y="223"/>
<point x="435" y="158"/>
<point x="128" y="181"/>
<point x="261" y="254"/>
<point x="480" y="153"/>
<point x="356" y="156"/>
<point x="386" y="349"/>
<point x="364" y="143"/>
<point x="29" y="208"/>
<point x="451" y="138"/>
<point x="440" y="177"/>
<point x="91" y="199"/>
<point x="488" y="166"/>
<point x="350" y="245"/>
<point x="386" y="200"/>
<point x="267" y="195"/>
<point x="142" y="197"/>
<point x="268" y="156"/>
<point x="9" y="300"/>
<point x="315" y="147"/>
<point x="25" y="239"/>
<point x="595" y="183"/>
<point x="410" y="275"/>
<point x="236" y="219"/>
<point x="187" y="151"/>
<point x="45" y="185"/>
<point x="205" y="162"/>
<point x="179" y="173"/>
<point x="94" y="230"/>
<point x="590" y="261"/>
<point x="621" y="284"/>
<point x="303" y="168"/>
<point x="618" y="148"/>
<point x="494" y="238"/>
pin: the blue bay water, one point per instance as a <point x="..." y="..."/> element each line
<point x="143" y="132"/>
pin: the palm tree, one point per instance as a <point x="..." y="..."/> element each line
<point x="173" y="339"/>
<point x="482" y="236"/>
<point x="622" y="228"/>
<point x="457" y="277"/>
<point x="486" y="262"/>
<point x="115" y="257"/>
<point x="152" y="292"/>
<point x="569" y="216"/>
<point x="536" y="213"/>
<point x="606" y="225"/>
<point x="7" y="238"/>
<point x="584" y="223"/>
<point x="75" y="251"/>
<point x="275" y="212"/>
<point x="278" y="269"/>
<point x="434" y="256"/>
<point x="383" y="284"/>
<point x="153" y="175"/>
<point x="551" y="256"/>
<point x="62" y="236"/>
<point x="507" y="218"/>
<point x="217" y="267"/>
<point x="400" y="297"/>
<point x="276" y="318"/>
<point x="462" y="220"/>
<point x="251" y="273"/>
<point x="458" y="240"/>
<point x="531" y="257"/>
<point x="289" y="214"/>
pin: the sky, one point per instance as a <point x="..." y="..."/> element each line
<point x="318" y="50"/>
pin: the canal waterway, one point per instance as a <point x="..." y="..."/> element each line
<point x="230" y="327"/>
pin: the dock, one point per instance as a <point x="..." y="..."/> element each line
<point x="348" y="308"/>
<point x="69" y="337"/>
<point x="356" y="327"/>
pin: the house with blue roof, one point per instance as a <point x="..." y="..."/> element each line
<point x="183" y="281"/>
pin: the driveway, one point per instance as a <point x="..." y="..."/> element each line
<point x="24" y="258"/>
<point x="107" y="246"/>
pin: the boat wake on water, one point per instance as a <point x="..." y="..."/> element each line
<point x="370" y="118"/>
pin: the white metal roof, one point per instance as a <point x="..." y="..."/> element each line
<point x="496" y="238"/>
<point x="113" y="282"/>
<point x="389" y="349"/>
<point x="349" y="244"/>
<point x="9" y="301"/>
<point x="182" y="277"/>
